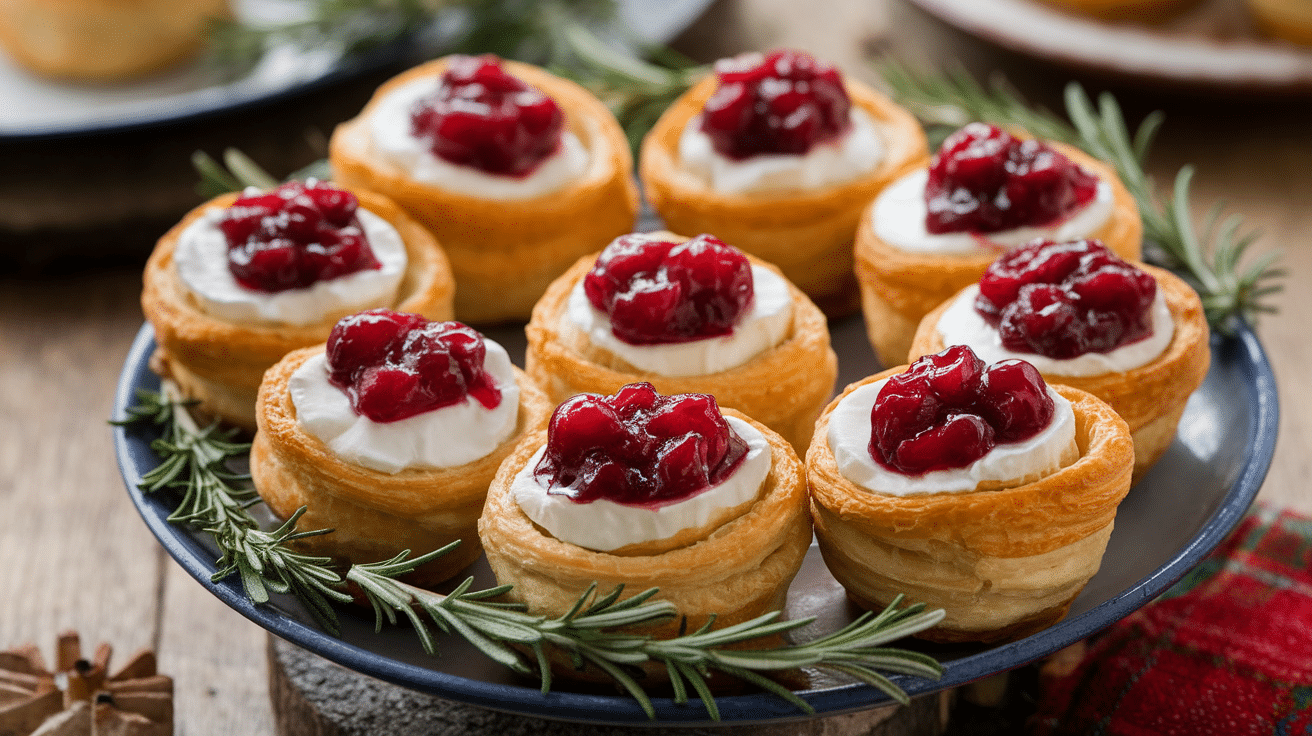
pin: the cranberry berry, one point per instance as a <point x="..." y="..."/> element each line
<point x="1062" y="300"/>
<point x="950" y="409"/>
<point x="638" y="447"/>
<point x="660" y="292"/>
<point x="781" y="102"/>
<point x="983" y="180"/>
<point x="394" y="365"/>
<point x="294" y="236"/>
<point x="484" y="118"/>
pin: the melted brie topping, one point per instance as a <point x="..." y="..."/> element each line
<point x="763" y="326"/>
<point x="389" y="129"/>
<point x="605" y="525"/>
<point x="856" y="153"/>
<point x="962" y="325"/>
<point x="899" y="214"/>
<point x="849" y="439"/>
<point x="442" y="438"/>
<point x="201" y="257"/>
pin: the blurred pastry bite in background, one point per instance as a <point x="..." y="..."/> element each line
<point x="104" y="40"/>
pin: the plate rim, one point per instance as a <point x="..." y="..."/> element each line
<point x="1254" y="367"/>
<point x="999" y="26"/>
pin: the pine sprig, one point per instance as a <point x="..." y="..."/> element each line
<point x="1212" y="261"/>
<point x="597" y="631"/>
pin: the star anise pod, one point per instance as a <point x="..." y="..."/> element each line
<point x="135" y="701"/>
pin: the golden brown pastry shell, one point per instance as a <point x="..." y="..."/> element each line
<point x="375" y="515"/>
<point x="899" y="287"/>
<point x="740" y="571"/>
<point x="785" y="388"/>
<point x="807" y="234"/>
<point x="1142" y="11"/>
<point x="505" y="253"/>
<point x="221" y="362"/>
<point x="967" y="534"/>
<point x="1150" y="398"/>
<point x="1287" y="19"/>
<point x="105" y="40"/>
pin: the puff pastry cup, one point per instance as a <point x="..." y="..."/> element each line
<point x="1144" y="11"/>
<point x="504" y="253"/>
<point x="374" y="515"/>
<point x="899" y="287"/>
<point x="1003" y="562"/>
<point x="784" y="388"/>
<point x="104" y="40"/>
<point x="738" y="571"/>
<point x="221" y="362"/>
<point x="807" y="234"/>
<point x="1150" y="398"/>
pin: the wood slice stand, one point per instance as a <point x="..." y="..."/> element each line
<point x="314" y="697"/>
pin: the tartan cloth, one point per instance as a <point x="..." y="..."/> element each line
<point x="1227" y="650"/>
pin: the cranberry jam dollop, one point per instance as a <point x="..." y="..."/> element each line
<point x="482" y="117"/>
<point x="949" y="409"/>
<point x="1062" y="300"/>
<point x="985" y="180"/>
<point x="660" y="292"/>
<point x="782" y="102"/>
<point x="394" y="365"/>
<point x="294" y="236"/>
<point x="637" y="447"/>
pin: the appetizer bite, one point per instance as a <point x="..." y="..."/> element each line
<point x="975" y="488"/>
<point x="246" y="278"/>
<point x="105" y="40"/>
<point x="934" y="231"/>
<point x="518" y="173"/>
<point x="389" y="434"/>
<point x="687" y="315"/>
<point x="1133" y="335"/>
<point x="643" y="490"/>
<point x="778" y="153"/>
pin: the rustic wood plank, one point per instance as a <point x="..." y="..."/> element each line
<point x="76" y="555"/>
<point x="216" y="658"/>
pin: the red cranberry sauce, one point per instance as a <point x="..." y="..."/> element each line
<point x="294" y="236"/>
<point x="984" y="180"/>
<point x="658" y="292"/>
<point x="638" y="447"/>
<point x="1062" y="300"/>
<point x="781" y="102"/>
<point x="395" y="365"/>
<point x="949" y="409"/>
<point x="484" y="118"/>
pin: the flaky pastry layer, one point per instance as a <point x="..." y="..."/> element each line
<point x="221" y="362"/>
<point x="807" y="234"/>
<point x="1150" y="398"/>
<point x="1004" y="562"/>
<point x="899" y="287"/>
<point x="375" y="515"/>
<point x="784" y="388"/>
<point x="741" y="570"/>
<point x="505" y="253"/>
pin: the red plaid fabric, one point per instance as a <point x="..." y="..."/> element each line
<point x="1228" y="650"/>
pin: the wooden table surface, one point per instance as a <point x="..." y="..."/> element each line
<point x="75" y="555"/>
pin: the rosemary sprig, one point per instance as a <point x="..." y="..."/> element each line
<point x="519" y="29"/>
<point x="1211" y="261"/>
<point x="592" y="633"/>
<point x="587" y="634"/>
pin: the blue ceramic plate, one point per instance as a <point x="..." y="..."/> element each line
<point x="1177" y="514"/>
